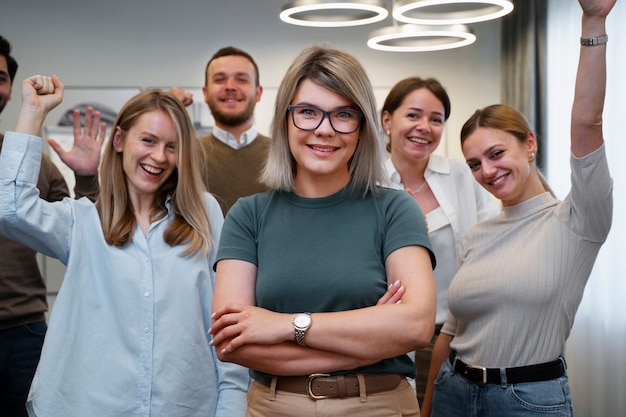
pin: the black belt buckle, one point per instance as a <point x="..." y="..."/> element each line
<point x="476" y="374"/>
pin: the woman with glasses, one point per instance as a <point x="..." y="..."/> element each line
<point x="310" y="273"/>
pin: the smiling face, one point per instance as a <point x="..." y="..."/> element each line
<point x="321" y="155"/>
<point x="501" y="163"/>
<point x="149" y="154"/>
<point x="416" y="126"/>
<point x="231" y="91"/>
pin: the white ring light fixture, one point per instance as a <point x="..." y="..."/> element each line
<point x="441" y="13"/>
<point x="415" y="38"/>
<point x="325" y="13"/>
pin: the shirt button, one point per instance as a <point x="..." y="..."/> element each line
<point x="146" y="330"/>
<point x="147" y="293"/>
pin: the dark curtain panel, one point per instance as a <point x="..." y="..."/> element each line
<point x="523" y="64"/>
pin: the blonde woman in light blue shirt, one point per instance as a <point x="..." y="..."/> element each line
<point x="128" y="332"/>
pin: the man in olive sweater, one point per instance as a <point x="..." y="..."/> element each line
<point x="233" y="155"/>
<point x="23" y="301"/>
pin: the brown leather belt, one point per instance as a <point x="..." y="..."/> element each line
<point x="321" y="386"/>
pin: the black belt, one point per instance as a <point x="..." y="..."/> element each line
<point x="531" y="373"/>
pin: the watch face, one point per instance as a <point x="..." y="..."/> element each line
<point x="302" y="320"/>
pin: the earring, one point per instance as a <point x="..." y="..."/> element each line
<point x="531" y="158"/>
<point x="387" y="132"/>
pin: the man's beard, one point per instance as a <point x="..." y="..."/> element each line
<point x="233" y="120"/>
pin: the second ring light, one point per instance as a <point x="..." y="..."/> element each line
<point x="419" y="38"/>
<point x="449" y="12"/>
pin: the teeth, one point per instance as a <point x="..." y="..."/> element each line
<point x="498" y="181"/>
<point x="152" y="170"/>
<point x="322" y="148"/>
<point x="418" y="140"/>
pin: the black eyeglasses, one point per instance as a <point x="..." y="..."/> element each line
<point x="307" y="117"/>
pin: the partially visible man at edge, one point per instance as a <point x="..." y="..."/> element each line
<point x="23" y="302"/>
<point x="234" y="152"/>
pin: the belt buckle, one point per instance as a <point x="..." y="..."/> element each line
<point x="481" y="369"/>
<point x="309" y="386"/>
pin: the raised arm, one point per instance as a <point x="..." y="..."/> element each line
<point x="586" y="124"/>
<point x="25" y="216"/>
<point x="184" y="96"/>
<point x="84" y="156"/>
<point x="40" y="94"/>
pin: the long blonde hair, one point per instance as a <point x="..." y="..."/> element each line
<point x="191" y="223"/>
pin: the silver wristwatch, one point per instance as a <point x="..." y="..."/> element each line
<point x="599" y="40"/>
<point x="301" y="323"/>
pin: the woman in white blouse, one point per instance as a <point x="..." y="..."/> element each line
<point x="413" y="117"/>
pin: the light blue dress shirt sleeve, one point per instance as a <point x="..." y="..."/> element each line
<point x="24" y="217"/>
<point x="234" y="379"/>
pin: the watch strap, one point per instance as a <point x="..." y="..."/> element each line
<point x="300" y="336"/>
<point x="300" y="332"/>
<point x="599" y="40"/>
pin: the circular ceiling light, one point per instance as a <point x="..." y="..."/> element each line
<point x="415" y="38"/>
<point x="449" y="12"/>
<point x="325" y="13"/>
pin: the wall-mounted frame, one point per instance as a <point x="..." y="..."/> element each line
<point x="107" y="100"/>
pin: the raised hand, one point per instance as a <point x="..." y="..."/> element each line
<point x="596" y="8"/>
<point x="40" y="94"/>
<point x="84" y="156"/>
<point x="183" y="96"/>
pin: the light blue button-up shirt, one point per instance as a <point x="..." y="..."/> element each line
<point x="128" y="332"/>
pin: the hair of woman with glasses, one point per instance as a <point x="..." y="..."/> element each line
<point x="344" y="75"/>
<point x="325" y="282"/>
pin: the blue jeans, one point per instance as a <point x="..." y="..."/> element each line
<point x="456" y="397"/>
<point x="20" y="348"/>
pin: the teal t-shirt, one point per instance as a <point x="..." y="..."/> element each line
<point x="323" y="254"/>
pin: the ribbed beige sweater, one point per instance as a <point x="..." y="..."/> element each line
<point x="523" y="273"/>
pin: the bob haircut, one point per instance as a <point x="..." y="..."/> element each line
<point x="343" y="74"/>
<point x="190" y="224"/>
<point x="507" y="119"/>
<point x="404" y="87"/>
